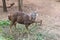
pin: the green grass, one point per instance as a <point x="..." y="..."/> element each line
<point x="4" y="36"/>
<point x="4" y="22"/>
<point x="7" y="36"/>
<point x="20" y="28"/>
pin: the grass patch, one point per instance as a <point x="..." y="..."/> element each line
<point x="7" y="36"/>
<point x="20" y="28"/>
<point x="4" y="22"/>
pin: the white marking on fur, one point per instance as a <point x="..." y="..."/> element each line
<point x="36" y="14"/>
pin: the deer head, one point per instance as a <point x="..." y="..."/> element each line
<point x="33" y="15"/>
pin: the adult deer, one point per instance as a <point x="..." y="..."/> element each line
<point x="22" y="18"/>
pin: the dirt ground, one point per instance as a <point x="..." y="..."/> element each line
<point x="49" y="13"/>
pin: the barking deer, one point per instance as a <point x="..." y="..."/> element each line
<point x="22" y="18"/>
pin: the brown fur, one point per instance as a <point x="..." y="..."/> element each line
<point x="21" y="18"/>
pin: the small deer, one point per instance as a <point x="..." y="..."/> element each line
<point x="22" y="18"/>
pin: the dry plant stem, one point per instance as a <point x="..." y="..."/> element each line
<point x="39" y="22"/>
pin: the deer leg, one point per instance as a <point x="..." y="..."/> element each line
<point x="12" y="23"/>
<point x="15" y="25"/>
<point x="27" y="28"/>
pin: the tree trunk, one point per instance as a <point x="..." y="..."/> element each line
<point x="4" y="6"/>
<point x="20" y="3"/>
